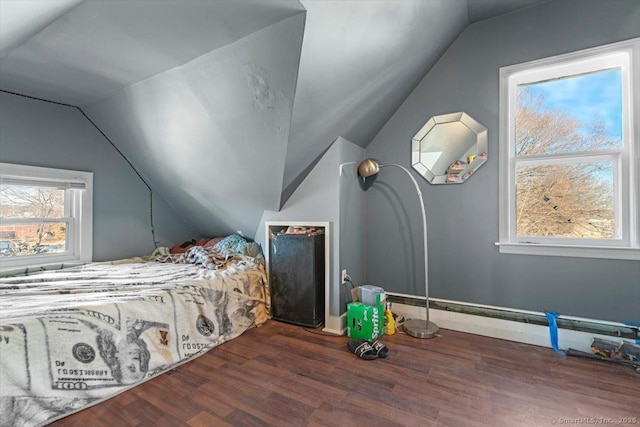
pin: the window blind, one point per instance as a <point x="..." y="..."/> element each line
<point x="29" y="182"/>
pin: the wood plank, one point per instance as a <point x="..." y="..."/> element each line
<point x="281" y="374"/>
<point x="205" y="419"/>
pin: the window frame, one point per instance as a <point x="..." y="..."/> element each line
<point x="626" y="160"/>
<point x="78" y="214"/>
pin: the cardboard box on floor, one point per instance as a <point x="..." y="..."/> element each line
<point x="365" y="321"/>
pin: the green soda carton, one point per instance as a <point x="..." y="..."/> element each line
<point x="365" y="322"/>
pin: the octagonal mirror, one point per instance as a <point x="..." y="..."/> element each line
<point x="449" y="148"/>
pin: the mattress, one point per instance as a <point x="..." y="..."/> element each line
<point x="72" y="338"/>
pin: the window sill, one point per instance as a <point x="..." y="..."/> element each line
<point x="34" y="264"/>
<point x="25" y="271"/>
<point x="632" y="254"/>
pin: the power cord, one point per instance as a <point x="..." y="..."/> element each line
<point x="126" y="159"/>
<point x="347" y="279"/>
<point x="326" y="334"/>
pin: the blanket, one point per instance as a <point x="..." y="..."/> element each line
<point x="72" y="338"/>
<point x="209" y="258"/>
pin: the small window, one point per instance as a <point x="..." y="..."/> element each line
<point x="45" y="216"/>
<point x="568" y="146"/>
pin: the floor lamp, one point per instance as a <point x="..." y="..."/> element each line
<point x="415" y="327"/>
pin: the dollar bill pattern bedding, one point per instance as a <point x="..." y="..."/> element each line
<point x="75" y="337"/>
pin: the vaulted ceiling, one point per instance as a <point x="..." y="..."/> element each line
<point x="223" y="106"/>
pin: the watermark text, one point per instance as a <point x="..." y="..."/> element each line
<point x="594" y="420"/>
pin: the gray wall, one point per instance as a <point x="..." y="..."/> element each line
<point x="463" y="219"/>
<point x="211" y="134"/>
<point x="324" y="195"/>
<point x="353" y="221"/>
<point x="360" y="59"/>
<point x="39" y="133"/>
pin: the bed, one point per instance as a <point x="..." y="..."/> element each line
<point x="74" y="337"/>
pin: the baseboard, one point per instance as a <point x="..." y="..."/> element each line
<point x="519" y="331"/>
<point x="336" y="324"/>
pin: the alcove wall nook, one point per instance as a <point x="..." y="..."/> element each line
<point x="275" y="227"/>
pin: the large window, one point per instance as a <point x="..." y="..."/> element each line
<point x="45" y="216"/>
<point x="569" y="154"/>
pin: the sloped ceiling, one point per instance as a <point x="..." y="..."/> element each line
<point x="484" y="9"/>
<point x="223" y="106"/>
<point x="99" y="47"/>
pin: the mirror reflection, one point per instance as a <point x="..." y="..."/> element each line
<point x="449" y="148"/>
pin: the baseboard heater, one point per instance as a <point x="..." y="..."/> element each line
<point x="612" y="329"/>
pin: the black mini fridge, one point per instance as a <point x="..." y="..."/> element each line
<point x="296" y="278"/>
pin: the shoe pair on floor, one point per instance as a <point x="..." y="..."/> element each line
<point x="368" y="350"/>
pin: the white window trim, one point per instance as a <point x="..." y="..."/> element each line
<point x="81" y="209"/>
<point x="628" y="247"/>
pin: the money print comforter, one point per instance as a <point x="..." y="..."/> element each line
<point x="72" y="338"/>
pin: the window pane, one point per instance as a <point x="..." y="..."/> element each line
<point x="33" y="239"/>
<point x="571" y="200"/>
<point x="24" y="202"/>
<point x="570" y="114"/>
<point x="21" y="201"/>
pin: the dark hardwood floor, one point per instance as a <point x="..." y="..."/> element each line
<point x="283" y="375"/>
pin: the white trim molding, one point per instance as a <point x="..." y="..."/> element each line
<point x="78" y="208"/>
<point x="526" y="333"/>
<point x="331" y="323"/>
<point x="625" y="160"/>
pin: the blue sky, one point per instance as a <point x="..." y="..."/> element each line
<point x="587" y="96"/>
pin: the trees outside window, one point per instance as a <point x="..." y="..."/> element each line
<point x="30" y="204"/>
<point x="566" y="198"/>
<point x="46" y="216"/>
<point x="568" y="144"/>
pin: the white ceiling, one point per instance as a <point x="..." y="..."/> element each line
<point x="21" y="20"/>
<point x="82" y="51"/>
<point x="258" y="88"/>
<point x="84" y="54"/>
<point x="485" y="9"/>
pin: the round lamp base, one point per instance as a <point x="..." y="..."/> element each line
<point x="420" y="328"/>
